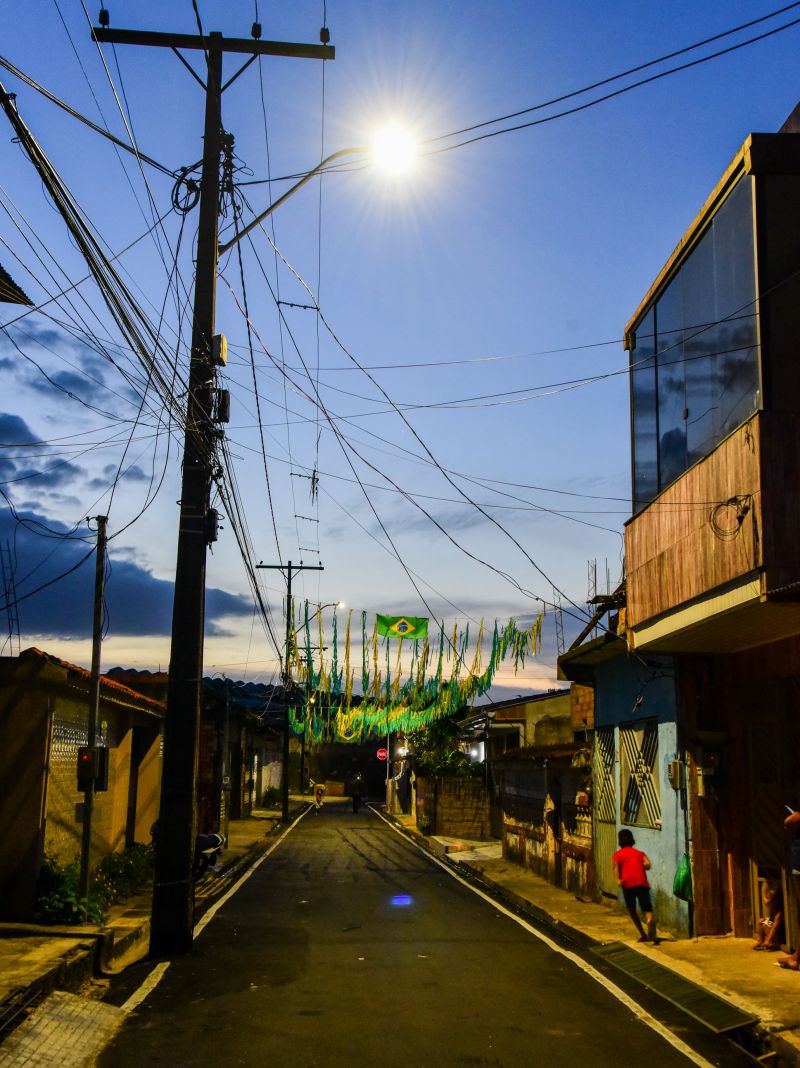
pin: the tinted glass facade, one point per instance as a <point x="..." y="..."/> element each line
<point x="694" y="357"/>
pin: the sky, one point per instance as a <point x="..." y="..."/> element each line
<point x="479" y="468"/>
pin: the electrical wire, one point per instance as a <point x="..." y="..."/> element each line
<point x="26" y="78"/>
<point x="617" y="77"/>
<point x="609" y="96"/>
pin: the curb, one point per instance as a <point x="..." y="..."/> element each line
<point x="782" y="1044"/>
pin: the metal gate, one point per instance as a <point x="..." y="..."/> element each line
<point x="605" y="809"/>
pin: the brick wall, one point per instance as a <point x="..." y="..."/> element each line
<point x="581" y="707"/>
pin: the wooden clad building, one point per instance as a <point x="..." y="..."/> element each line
<point x="712" y="548"/>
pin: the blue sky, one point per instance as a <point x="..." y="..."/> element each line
<point x="454" y="286"/>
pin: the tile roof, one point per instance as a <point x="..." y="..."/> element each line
<point x="106" y="683"/>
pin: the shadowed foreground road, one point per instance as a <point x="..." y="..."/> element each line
<point x="350" y="947"/>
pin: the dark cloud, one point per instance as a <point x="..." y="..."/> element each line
<point x="7" y="469"/>
<point x="70" y="382"/>
<point x="52" y="476"/>
<point x="137" y="602"/>
<point x="134" y="473"/>
<point x="15" y="431"/>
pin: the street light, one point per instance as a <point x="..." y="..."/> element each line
<point x="393" y="149"/>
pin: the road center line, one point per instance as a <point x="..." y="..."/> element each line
<point x="593" y="973"/>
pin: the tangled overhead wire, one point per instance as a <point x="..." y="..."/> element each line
<point x="186" y="191"/>
<point x="742" y="503"/>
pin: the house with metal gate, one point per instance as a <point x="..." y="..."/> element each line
<point x="634" y="782"/>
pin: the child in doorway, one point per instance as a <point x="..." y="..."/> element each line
<point x="769" y="932"/>
<point x="630" y="866"/>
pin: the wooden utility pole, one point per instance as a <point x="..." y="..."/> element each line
<point x="290" y="569"/>
<point x="173" y="897"/>
<point x="94" y="702"/>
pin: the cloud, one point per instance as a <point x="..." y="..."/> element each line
<point x="7" y="469"/>
<point x="70" y="382"/>
<point x="52" y="476"/>
<point x="134" y="473"/>
<point x="137" y="602"/>
<point x="15" y="431"/>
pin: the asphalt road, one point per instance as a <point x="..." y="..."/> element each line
<point x="349" y="946"/>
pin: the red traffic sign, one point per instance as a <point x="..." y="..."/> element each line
<point x="382" y="753"/>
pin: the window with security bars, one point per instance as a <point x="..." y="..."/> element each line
<point x="639" y="778"/>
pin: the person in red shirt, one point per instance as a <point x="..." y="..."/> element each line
<point x="630" y="866"/>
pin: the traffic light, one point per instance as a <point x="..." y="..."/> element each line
<point x="87" y="767"/>
<point x="93" y="768"/>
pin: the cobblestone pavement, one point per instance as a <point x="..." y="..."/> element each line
<point x="65" y="1029"/>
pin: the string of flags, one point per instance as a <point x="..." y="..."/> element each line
<point x="398" y="692"/>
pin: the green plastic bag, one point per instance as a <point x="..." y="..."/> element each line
<point x="682" y="883"/>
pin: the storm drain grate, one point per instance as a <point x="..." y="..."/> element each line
<point x="712" y="1011"/>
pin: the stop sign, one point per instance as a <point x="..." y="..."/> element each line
<point x="382" y="753"/>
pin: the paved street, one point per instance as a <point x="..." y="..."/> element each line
<point x="349" y="945"/>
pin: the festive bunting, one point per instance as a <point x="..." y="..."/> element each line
<point x="395" y="701"/>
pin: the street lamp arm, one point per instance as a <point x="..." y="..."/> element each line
<point x="356" y="150"/>
<point x="333" y="604"/>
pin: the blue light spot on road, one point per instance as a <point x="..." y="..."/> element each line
<point x="399" y="900"/>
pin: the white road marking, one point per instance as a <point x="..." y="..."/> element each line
<point x="615" y="991"/>
<point x="157" y="974"/>
<point x="150" y="983"/>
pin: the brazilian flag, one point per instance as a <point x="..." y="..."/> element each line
<point x="403" y="626"/>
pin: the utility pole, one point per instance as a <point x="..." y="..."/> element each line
<point x="94" y="703"/>
<point x="290" y="569"/>
<point x="172" y="918"/>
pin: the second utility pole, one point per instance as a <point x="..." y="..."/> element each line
<point x="289" y="568"/>
<point x="173" y="891"/>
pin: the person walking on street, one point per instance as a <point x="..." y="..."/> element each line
<point x="630" y="866"/>
<point x="319" y="794"/>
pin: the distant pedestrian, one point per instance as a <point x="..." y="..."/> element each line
<point x="630" y="866"/>
<point x="319" y="795"/>
<point x="792" y="826"/>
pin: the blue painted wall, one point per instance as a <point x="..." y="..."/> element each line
<point x="627" y="690"/>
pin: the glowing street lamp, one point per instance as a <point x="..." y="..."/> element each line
<point x="393" y="150"/>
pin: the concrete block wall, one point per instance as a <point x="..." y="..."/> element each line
<point x="462" y="808"/>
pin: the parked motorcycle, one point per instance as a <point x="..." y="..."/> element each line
<point x="207" y="850"/>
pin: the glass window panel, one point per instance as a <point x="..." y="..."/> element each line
<point x="699" y="349"/>
<point x="645" y="427"/>
<point x="706" y="380"/>
<point x="737" y="377"/>
<point x="670" y="383"/>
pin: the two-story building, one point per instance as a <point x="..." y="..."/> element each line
<point x="713" y="545"/>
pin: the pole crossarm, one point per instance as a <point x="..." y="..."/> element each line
<point x="291" y="49"/>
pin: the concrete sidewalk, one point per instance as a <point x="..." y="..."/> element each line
<point x="723" y="965"/>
